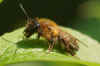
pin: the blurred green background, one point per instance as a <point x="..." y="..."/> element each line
<point x="82" y="15"/>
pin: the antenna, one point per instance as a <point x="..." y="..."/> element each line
<point x="24" y="11"/>
<point x="26" y="14"/>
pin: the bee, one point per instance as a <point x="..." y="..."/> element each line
<point x="51" y="32"/>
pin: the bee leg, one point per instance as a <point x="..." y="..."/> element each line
<point x="51" y="45"/>
<point x="39" y="33"/>
<point x="71" y="52"/>
<point x="38" y="36"/>
<point x="67" y="47"/>
<point x="50" y="49"/>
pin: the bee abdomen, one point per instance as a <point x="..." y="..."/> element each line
<point x="71" y="44"/>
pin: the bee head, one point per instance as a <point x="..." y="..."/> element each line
<point x="31" y="27"/>
<point x="32" y="24"/>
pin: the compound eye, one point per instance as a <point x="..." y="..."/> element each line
<point x="36" y="23"/>
<point x="37" y="26"/>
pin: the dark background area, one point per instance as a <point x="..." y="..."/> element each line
<point x="82" y="15"/>
<point x="62" y="11"/>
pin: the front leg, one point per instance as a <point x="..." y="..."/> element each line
<point x="38" y="36"/>
<point x="40" y="32"/>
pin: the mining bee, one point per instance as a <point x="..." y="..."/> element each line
<point x="50" y="31"/>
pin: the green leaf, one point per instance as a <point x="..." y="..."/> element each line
<point x="15" y="49"/>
